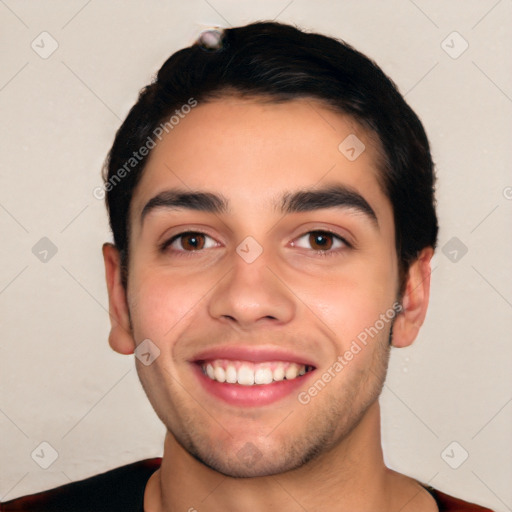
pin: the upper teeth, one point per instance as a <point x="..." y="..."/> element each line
<point x="247" y="373"/>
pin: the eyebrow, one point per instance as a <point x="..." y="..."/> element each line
<point x="334" y="196"/>
<point x="177" y="199"/>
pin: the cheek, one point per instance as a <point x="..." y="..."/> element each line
<point x="350" y="301"/>
<point x="164" y="303"/>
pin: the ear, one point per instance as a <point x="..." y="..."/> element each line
<point x="120" y="337"/>
<point x="415" y="300"/>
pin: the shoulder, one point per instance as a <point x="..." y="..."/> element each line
<point x="411" y="495"/>
<point x="447" y="503"/>
<point x="118" y="489"/>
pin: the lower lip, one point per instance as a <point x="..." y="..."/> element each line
<point x="250" y="396"/>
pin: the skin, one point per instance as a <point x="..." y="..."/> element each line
<point x="252" y="152"/>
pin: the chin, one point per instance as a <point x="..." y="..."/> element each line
<point x="236" y="467"/>
<point x="260" y="458"/>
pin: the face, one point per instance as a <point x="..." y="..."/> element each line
<point x="258" y="288"/>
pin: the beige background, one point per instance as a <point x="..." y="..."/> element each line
<point x="61" y="383"/>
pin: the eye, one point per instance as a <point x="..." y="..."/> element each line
<point x="190" y="241"/>
<point x="320" y="241"/>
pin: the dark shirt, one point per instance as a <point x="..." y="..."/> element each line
<point x="122" y="490"/>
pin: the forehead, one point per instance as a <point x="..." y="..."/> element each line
<point x="252" y="151"/>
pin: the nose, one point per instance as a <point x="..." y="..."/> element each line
<point x="252" y="295"/>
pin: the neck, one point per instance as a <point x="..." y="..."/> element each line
<point x="352" y="474"/>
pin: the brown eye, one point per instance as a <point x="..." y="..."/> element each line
<point x="320" y="240"/>
<point x="190" y="241"/>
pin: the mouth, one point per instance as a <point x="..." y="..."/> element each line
<point x="244" y="377"/>
<point x="248" y="373"/>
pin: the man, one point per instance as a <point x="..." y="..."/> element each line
<point x="271" y="197"/>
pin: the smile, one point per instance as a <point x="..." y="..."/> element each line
<point x="248" y="373"/>
<point x="251" y="376"/>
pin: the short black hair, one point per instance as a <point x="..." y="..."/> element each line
<point x="280" y="62"/>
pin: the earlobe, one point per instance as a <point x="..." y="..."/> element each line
<point x="120" y="337"/>
<point x="415" y="300"/>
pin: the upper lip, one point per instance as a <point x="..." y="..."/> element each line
<point x="252" y="354"/>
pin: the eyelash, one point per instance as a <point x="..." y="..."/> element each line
<point x="325" y="253"/>
<point x="328" y="252"/>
